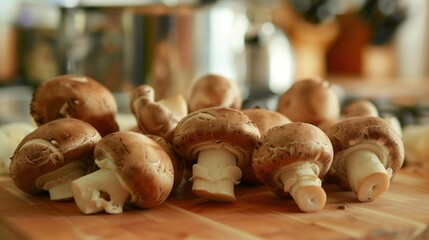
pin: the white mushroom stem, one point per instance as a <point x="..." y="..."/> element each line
<point x="100" y="190"/>
<point x="304" y="185"/>
<point x="215" y="175"/>
<point x="58" y="181"/>
<point x="367" y="176"/>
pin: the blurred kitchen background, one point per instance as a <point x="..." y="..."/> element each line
<point x="374" y="49"/>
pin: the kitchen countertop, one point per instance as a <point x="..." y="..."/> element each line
<point x="400" y="213"/>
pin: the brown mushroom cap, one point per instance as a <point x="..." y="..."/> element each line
<point x="310" y="100"/>
<point x="290" y="144"/>
<point x="216" y="127"/>
<point x="152" y="117"/>
<point x="214" y="91"/>
<point x="360" y="107"/>
<point x="141" y="163"/>
<point x="78" y="97"/>
<point x="264" y="119"/>
<point x="50" y="147"/>
<point x="351" y="132"/>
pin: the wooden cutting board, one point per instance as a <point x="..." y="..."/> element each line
<point x="401" y="213"/>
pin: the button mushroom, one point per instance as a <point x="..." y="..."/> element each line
<point x="221" y="141"/>
<point x="52" y="156"/>
<point x="310" y="100"/>
<point x="75" y="96"/>
<point x="11" y="134"/>
<point x="264" y="119"/>
<point x="213" y="90"/>
<point x="360" y="107"/>
<point x="368" y="152"/>
<point x="157" y="118"/>
<point x="132" y="167"/>
<point x="293" y="159"/>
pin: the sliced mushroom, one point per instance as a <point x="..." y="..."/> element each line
<point x="133" y="168"/>
<point x="310" y="100"/>
<point x="293" y="159"/>
<point x="75" y="96"/>
<point x="157" y="118"/>
<point x="368" y="153"/>
<point x="52" y="156"/>
<point x="11" y="134"/>
<point x="213" y="90"/>
<point x="264" y="119"/>
<point x="220" y="140"/>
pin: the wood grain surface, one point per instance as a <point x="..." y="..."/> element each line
<point x="401" y="213"/>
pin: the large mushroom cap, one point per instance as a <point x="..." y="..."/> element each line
<point x="287" y="145"/>
<point x="213" y="90"/>
<point x="377" y="135"/>
<point x="216" y="127"/>
<point x="310" y="100"/>
<point x="75" y="96"/>
<point x="50" y="147"/>
<point x="142" y="165"/>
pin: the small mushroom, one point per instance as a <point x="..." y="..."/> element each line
<point x="52" y="156"/>
<point x="310" y="100"/>
<point x="11" y="134"/>
<point x="293" y="159"/>
<point x="264" y="119"/>
<point x="133" y="168"/>
<point x="75" y="96"/>
<point x="157" y="117"/>
<point x="220" y="140"/>
<point x="213" y="90"/>
<point x="360" y="107"/>
<point x="368" y="153"/>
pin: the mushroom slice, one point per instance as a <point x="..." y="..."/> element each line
<point x="133" y="168"/>
<point x="219" y="142"/>
<point x="52" y="156"/>
<point x="157" y="118"/>
<point x="368" y="152"/>
<point x="293" y="159"/>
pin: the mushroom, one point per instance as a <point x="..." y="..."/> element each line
<point x="310" y="100"/>
<point x="368" y="153"/>
<point x="75" y="96"/>
<point x="213" y="90"/>
<point x="220" y="140"/>
<point x="52" y="156"/>
<point x="133" y="168"/>
<point x="157" y="117"/>
<point x="360" y="107"/>
<point x="264" y="119"/>
<point x="178" y="165"/>
<point x="11" y="134"/>
<point x="416" y="142"/>
<point x="293" y="159"/>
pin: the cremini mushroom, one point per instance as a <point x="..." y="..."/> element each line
<point x="219" y="140"/>
<point x="264" y="119"/>
<point x="360" y="108"/>
<point x="132" y="167"/>
<point x="11" y="135"/>
<point x="75" y="96"/>
<point x="293" y="159"/>
<point x="52" y="156"/>
<point x="212" y="90"/>
<point x="157" y="117"/>
<point x="310" y="100"/>
<point x="368" y="153"/>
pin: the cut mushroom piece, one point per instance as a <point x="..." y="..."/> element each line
<point x="133" y="168"/>
<point x="368" y="152"/>
<point x="264" y="119"/>
<point x="220" y="141"/>
<point x="75" y="96"/>
<point x="52" y="156"/>
<point x="11" y="134"/>
<point x="310" y="100"/>
<point x="157" y="118"/>
<point x="293" y="159"/>
<point x="213" y="90"/>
